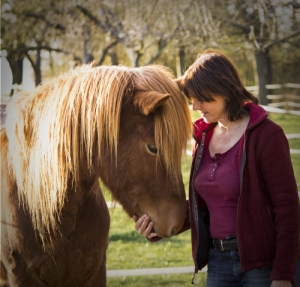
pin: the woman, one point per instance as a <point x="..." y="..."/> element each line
<point x="241" y="179"/>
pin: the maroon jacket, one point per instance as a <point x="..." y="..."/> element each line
<point x="268" y="223"/>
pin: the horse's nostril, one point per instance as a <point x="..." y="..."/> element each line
<point x="172" y="233"/>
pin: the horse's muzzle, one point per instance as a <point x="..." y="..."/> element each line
<point x="165" y="235"/>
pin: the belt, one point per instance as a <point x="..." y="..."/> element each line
<point x="230" y="243"/>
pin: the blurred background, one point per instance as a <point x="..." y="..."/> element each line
<point x="45" y="38"/>
<point x="41" y="39"/>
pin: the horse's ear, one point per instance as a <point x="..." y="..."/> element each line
<point x="148" y="102"/>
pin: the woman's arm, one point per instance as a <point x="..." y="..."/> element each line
<point x="278" y="175"/>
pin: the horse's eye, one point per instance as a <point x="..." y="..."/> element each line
<point x="152" y="148"/>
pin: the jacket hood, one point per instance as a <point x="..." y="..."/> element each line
<point x="257" y="114"/>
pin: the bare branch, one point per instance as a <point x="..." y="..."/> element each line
<point x="91" y="16"/>
<point x="108" y="28"/>
<point x="158" y="53"/>
<point x="105" y="51"/>
<point x="295" y="5"/>
<point x="244" y="28"/>
<point x="57" y="26"/>
<point x="277" y="41"/>
<point x="47" y="48"/>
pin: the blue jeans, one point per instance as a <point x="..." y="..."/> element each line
<point x="224" y="270"/>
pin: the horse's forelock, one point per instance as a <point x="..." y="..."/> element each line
<point x="173" y="122"/>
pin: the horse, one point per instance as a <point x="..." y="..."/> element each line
<point x="124" y="127"/>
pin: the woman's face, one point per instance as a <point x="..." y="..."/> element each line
<point x="213" y="111"/>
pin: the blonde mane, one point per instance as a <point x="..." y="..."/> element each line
<point x="49" y="129"/>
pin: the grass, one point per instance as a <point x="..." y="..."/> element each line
<point x="128" y="250"/>
<point x="290" y="125"/>
<point x="177" y="280"/>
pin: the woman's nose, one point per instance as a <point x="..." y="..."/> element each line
<point x="196" y="105"/>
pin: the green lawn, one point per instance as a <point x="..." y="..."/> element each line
<point x="290" y="125"/>
<point x="129" y="250"/>
<point x="170" y="280"/>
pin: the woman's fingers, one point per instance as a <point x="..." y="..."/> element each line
<point x="148" y="232"/>
<point x="144" y="226"/>
<point x="141" y="225"/>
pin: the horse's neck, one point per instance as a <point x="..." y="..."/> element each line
<point x="76" y="198"/>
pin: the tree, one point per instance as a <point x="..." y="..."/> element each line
<point x="143" y="29"/>
<point x="51" y="26"/>
<point x="33" y="32"/>
<point x="260" y="25"/>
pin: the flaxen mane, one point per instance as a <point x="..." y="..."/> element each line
<point x="51" y="129"/>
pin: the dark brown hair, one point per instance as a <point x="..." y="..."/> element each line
<point x="214" y="73"/>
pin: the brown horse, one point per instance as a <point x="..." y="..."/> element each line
<point x="126" y="126"/>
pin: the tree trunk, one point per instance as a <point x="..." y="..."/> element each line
<point x="37" y="70"/>
<point x="268" y="62"/>
<point x="87" y="56"/>
<point x="133" y="57"/>
<point x="180" y="69"/>
<point x="263" y="67"/>
<point x="114" y="57"/>
<point x="17" y="70"/>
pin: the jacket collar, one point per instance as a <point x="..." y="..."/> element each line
<point x="257" y="114"/>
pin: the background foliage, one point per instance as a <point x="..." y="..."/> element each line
<point x="261" y="36"/>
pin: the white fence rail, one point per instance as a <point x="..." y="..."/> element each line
<point x="289" y="136"/>
<point x="152" y="271"/>
<point x="288" y="100"/>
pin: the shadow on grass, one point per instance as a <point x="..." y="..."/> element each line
<point x="127" y="237"/>
<point x="134" y="236"/>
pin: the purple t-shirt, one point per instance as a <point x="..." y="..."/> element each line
<point x="217" y="182"/>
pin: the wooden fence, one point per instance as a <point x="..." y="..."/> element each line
<point x="288" y="98"/>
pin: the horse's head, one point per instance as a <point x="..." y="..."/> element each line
<point x="127" y="125"/>
<point x="154" y="128"/>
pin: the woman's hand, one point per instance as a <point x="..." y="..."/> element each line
<point x="281" y="283"/>
<point x="144" y="226"/>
